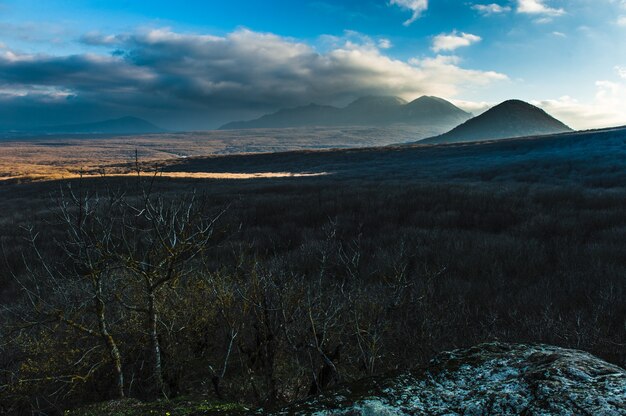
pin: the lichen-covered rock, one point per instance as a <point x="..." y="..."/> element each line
<point x="490" y="379"/>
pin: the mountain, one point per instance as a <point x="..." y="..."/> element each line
<point x="124" y="125"/>
<point x="310" y="115"/>
<point x="433" y="109"/>
<point x="365" y="111"/>
<point x="373" y="110"/>
<point x="512" y="118"/>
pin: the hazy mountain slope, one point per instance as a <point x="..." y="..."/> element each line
<point x="310" y="115"/>
<point x="372" y="110"/>
<point x="124" y="125"/>
<point x="365" y="111"/>
<point x="118" y="126"/>
<point x="513" y="118"/>
<point x="433" y="110"/>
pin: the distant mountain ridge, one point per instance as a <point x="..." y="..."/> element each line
<point x="365" y="111"/>
<point x="123" y="125"/>
<point x="117" y="126"/>
<point x="512" y="118"/>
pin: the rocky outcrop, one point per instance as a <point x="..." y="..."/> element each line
<point x="490" y="379"/>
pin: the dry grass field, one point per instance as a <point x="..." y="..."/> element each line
<point x="57" y="157"/>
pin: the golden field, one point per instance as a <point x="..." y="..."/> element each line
<point x="48" y="158"/>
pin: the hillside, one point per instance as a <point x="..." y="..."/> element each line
<point x="365" y="111"/>
<point x="512" y="118"/>
<point x="591" y="158"/>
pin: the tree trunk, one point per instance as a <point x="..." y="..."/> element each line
<point x="114" y="351"/>
<point x="328" y="372"/>
<point x="156" y="348"/>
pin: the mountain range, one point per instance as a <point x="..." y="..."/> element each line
<point x="426" y="117"/>
<point x="123" y="125"/>
<point x="512" y="118"/>
<point x="365" y="111"/>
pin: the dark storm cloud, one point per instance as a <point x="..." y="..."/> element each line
<point x="204" y="80"/>
<point x="79" y="72"/>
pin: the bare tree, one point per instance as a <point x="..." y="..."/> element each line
<point x="157" y="239"/>
<point x="88" y="244"/>
<point x="74" y="290"/>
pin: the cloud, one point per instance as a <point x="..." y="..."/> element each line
<point x="559" y="34"/>
<point x="537" y="7"/>
<point x="98" y="39"/>
<point x="621" y="20"/>
<point x="490" y="9"/>
<point x="621" y="71"/>
<point x="454" y="40"/>
<point x="474" y="107"/>
<point x="204" y="80"/>
<point x="384" y="43"/>
<point x="444" y="74"/>
<point x="543" y="20"/>
<point x="608" y="107"/>
<point x="415" y="6"/>
<point x="352" y="37"/>
<point x="80" y="72"/>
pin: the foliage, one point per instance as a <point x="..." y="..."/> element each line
<point x="179" y="407"/>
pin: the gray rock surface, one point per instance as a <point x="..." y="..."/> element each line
<point x="489" y="379"/>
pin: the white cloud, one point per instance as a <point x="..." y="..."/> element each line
<point x="474" y="107"/>
<point x="559" y="34"/>
<point x="352" y="37"/>
<point x="543" y="20"/>
<point x="443" y="74"/>
<point x="621" y="20"/>
<point x="454" y="40"/>
<point x="43" y="94"/>
<point x="489" y="9"/>
<point x="384" y="43"/>
<point x="537" y="7"/>
<point x="621" y="71"/>
<point x="417" y="7"/>
<point x="607" y="109"/>
<point x="97" y="39"/>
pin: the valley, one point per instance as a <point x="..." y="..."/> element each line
<point x="383" y="248"/>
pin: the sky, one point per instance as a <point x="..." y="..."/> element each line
<point x="196" y="64"/>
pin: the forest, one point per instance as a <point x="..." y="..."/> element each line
<point x="262" y="292"/>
